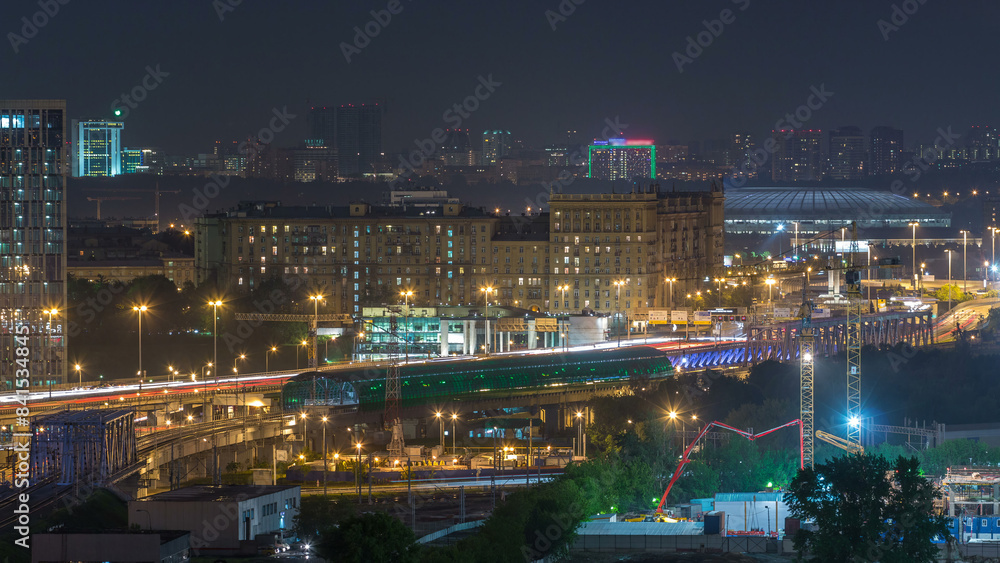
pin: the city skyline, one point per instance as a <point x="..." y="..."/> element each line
<point x="669" y="103"/>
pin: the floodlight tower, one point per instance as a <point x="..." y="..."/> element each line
<point x="853" y="279"/>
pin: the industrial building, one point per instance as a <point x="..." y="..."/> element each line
<point x="110" y="545"/>
<point x="222" y="520"/>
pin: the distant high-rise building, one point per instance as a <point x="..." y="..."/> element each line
<point x="847" y="154"/>
<point x="456" y="150"/>
<point x="797" y="155"/>
<point x="496" y="145"/>
<point x="33" y="170"/>
<point x="97" y="147"/>
<point x="322" y="126"/>
<point x="131" y="160"/>
<point x="622" y="159"/>
<point x="359" y="138"/>
<point x="982" y="144"/>
<point x="885" y="150"/>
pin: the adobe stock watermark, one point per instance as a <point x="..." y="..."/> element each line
<point x="561" y="525"/>
<point x="128" y="101"/>
<point x="565" y="9"/>
<point x="612" y="128"/>
<point x="364" y="34"/>
<point x="265" y="136"/>
<point x="899" y="16"/>
<point x="31" y="25"/>
<point x="696" y="44"/>
<point x="278" y="297"/>
<point x="454" y="116"/>
<point x="223" y="7"/>
<point x="796" y="119"/>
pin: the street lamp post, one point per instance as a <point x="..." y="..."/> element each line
<point x="48" y="339"/>
<point x="671" y="282"/>
<point x="357" y="473"/>
<point x="437" y="415"/>
<point x="770" y="284"/>
<point x="267" y="357"/>
<point x="140" y="309"/>
<point x="79" y="373"/>
<point x="406" y="324"/>
<point x="993" y="257"/>
<point x="581" y="449"/>
<point x="618" y="328"/>
<point x="305" y="431"/>
<point x="965" y="255"/>
<point x="720" y="281"/>
<point x="454" y="447"/>
<point x="913" y="246"/>
<point x="215" y="334"/>
<point x="324" y="457"/>
<point x="795" y="251"/>
<point x="314" y="329"/>
<point x="303" y="344"/>
<point x="486" y="292"/>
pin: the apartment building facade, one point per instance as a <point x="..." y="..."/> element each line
<point x="563" y="261"/>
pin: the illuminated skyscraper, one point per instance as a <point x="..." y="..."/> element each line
<point x="97" y="148"/>
<point x="131" y="160"/>
<point x="622" y="159"/>
<point x="32" y="237"/>
<point x="496" y="145"/>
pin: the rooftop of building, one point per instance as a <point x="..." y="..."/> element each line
<point x="221" y="493"/>
<point x="166" y="536"/>
<point x="274" y="210"/>
<point x="819" y="202"/>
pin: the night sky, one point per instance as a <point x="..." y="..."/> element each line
<point x="606" y="59"/>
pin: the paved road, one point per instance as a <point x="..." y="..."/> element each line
<point x="965" y="316"/>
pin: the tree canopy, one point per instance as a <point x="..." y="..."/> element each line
<point x="866" y="508"/>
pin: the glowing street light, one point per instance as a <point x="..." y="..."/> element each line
<point x="267" y="357"/>
<point x="140" y="309"/>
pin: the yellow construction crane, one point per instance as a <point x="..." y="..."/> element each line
<point x="840" y="442"/>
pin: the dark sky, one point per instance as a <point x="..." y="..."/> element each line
<point x="606" y="59"/>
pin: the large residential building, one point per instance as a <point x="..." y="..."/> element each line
<point x="33" y="171"/>
<point x="847" y="154"/>
<point x="885" y="152"/>
<point x="361" y="255"/>
<point x="97" y="146"/>
<point x="622" y="159"/>
<point x="797" y="155"/>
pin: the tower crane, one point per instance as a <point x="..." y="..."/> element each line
<point x="313" y="320"/>
<point x="853" y="279"/>
<point x="156" y="198"/>
<point x="107" y="198"/>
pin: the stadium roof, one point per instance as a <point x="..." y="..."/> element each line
<point x="827" y="206"/>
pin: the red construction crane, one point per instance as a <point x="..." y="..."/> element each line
<point x="745" y="434"/>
